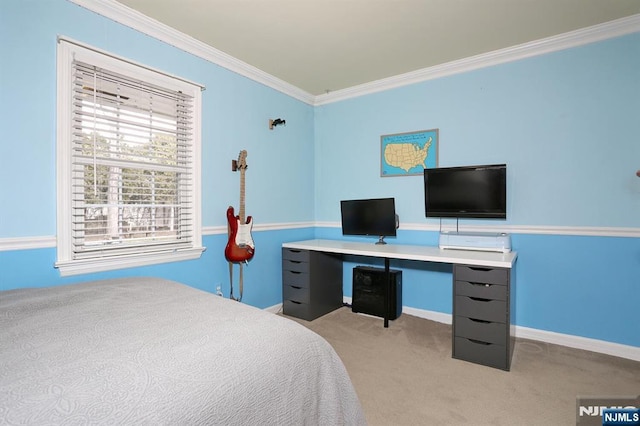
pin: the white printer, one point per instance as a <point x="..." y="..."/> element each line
<point x="480" y="241"/>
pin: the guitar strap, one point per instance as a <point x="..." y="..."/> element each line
<point x="231" y="281"/>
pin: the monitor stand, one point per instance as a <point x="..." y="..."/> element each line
<point x="381" y="240"/>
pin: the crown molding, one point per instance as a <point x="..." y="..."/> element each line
<point x="616" y="28"/>
<point x="124" y="15"/>
<point x="131" y="18"/>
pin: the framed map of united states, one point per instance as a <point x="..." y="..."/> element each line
<point x="406" y="154"/>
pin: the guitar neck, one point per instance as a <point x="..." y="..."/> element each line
<point x="241" y="212"/>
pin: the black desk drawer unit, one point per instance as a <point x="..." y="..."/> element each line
<point x="482" y="312"/>
<point x="311" y="283"/>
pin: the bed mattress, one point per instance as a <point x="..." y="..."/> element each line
<point x="153" y="351"/>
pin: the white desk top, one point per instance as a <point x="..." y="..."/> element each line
<point x="408" y="252"/>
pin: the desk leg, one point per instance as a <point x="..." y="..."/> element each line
<point x="387" y="292"/>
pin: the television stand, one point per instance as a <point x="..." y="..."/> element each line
<point x="381" y="240"/>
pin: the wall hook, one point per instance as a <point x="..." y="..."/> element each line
<point x="276" y="122"/>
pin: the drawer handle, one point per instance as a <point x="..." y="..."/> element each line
<point x="480" y="284"/>
<point x="293" y="301"/>
<point x="296" y="287"/>
<point x="294" y="272"/>
<point x="480" y="299"/>
<point x="480" y="321"/>
<point x="295" y="251"/>
<point x="479" y="342"/>
<point x="295" y="261"/>
<point x="478" y="268"/>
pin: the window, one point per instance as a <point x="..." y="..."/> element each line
<point x="128" y="163"/>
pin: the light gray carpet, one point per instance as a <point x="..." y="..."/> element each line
<point x="404" y="375"/>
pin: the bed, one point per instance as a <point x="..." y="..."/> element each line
<point x="153" y="351"/>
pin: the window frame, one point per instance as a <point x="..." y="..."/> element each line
<point x="67" y="50"/>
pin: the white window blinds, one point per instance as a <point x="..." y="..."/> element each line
<point x="131" y="164"/>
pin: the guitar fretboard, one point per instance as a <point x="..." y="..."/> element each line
<point x="241" y="213"/>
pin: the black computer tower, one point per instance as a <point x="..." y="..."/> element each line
<point x="369" y="285"/>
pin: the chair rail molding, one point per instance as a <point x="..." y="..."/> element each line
<point x="38" y="242"/>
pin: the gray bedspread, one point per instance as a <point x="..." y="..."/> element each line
<point x="152" y="351"/>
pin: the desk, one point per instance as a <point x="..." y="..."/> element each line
<point x="409" y="252"/>
<point x="483" y="292"/>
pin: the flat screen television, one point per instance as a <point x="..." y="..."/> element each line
<point x="371" y="217"/>
<point x="478" y="192"/>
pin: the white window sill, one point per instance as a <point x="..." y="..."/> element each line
<point x="77" y="267"/>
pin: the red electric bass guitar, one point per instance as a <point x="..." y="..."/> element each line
<point x="240" y="247"/>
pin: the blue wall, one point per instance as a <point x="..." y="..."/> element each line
<point x="566" y="123"/>
<point x="236" y="113"/>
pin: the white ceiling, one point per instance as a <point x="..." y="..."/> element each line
<point x="321" y="46"/>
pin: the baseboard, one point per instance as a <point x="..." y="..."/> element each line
<point x="430" y="315"/>
<point x="275" y="309"/>
<point x="576" y="342"/>
<point x="420" y="313"/>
